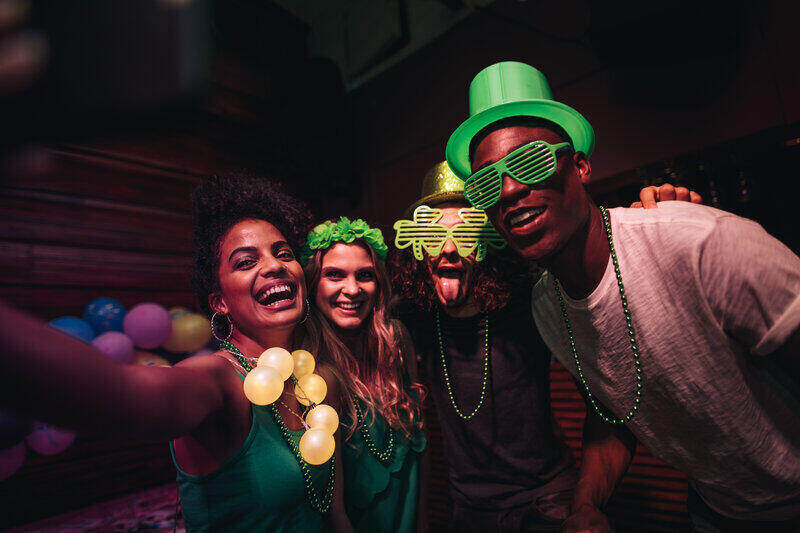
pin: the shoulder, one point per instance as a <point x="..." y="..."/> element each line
<point x="217" y="367"/>
<point x="676" y="228"/>
<point x="333" y="383"/>
<point x="401" y="331"/>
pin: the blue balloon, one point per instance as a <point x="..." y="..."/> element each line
<point x="74" y="326"/>
<point x="104" y="314"/>
<point x="13" y="430"/>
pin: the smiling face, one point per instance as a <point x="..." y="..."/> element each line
<point x="261" y="284"/>
<point x="536" y="220"/>
<point x="451" y="274"/>
<point x="348" y="285"/>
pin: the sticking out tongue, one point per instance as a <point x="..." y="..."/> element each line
<point x="449" y="288"/>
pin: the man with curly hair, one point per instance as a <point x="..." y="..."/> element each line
<point x="486" y="365"/>
<point x="487" y="369"/>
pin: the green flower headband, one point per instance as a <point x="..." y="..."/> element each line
<point x="330" y="232"/>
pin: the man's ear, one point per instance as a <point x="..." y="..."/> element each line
<point x="583" y="166"/>
<point x="217" y="304"/>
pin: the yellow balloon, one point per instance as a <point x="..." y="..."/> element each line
<point x="303" y="363"/>
<point x="175" y="312"/>
<point x="316" y="446"/>
<point x="279" y="359"/>
<point x="323" y="417"/>
<point x="149" y="359"/>
<point x="263" y="385"/>
<point x="190" y="332"/>
<point x="310" y="388"/>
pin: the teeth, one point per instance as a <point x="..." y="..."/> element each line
<point x="285" y="289"/>
<point x="347" y="305"/>
<point x="526" y="215"/>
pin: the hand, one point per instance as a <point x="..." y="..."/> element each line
<point x="649" y="196"/>
<point x="586" y="519"/>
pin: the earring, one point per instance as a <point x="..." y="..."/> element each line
<point x="308" y="310"/>
<point x="214" y="327"/>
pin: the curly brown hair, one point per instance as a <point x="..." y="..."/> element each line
<point x="500" y="276"/>
<point x="221" y="201"/>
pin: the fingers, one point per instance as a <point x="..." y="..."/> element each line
<point x="695" y="198"/>
<point x="648" y="196"/>
<point x="682" y="194"/>
<point x="666" y="193"/>
<point x="636" y="205"/>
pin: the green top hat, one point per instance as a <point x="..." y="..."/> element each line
<point x="512" y="89"/>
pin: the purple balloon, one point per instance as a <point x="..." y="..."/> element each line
<point x="117" y="346"/>
<point x="11" y="459"/>
<point x="148" y="325"/>
<point x="49" y="440"/>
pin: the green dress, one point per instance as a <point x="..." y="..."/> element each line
<point x="260" y="488"/>
<point x="381" y="498"/>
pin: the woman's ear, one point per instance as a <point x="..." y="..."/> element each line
<point x="217" y="303"/>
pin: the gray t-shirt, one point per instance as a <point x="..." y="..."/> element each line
<point x="710" y="293"/>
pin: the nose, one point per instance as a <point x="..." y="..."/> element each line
<point x="350" y="287"/>
<point x="449" y="249"/>
<point x="272" y="267"/>
<point x="512" y="191"/>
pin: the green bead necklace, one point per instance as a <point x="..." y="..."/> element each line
<point x="321" y="505"/>
<point x="384" y="456"/>
<point x="631" y="335"/>
<point x="448" y="385"/>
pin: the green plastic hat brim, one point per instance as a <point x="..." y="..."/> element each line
<point x="578" y="128"/>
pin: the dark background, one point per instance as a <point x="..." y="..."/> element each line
<point x="680" y="91"/>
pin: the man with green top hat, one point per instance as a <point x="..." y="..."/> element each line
<point x="484" y="362"/>
<point x="679" y="324"/>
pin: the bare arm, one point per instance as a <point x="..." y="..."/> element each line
<point x="49" y="376"/>
<point x="607" y="453"/>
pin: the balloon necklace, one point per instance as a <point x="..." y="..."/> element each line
<point x="263" y="385"/>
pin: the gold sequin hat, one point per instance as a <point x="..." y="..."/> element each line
<point x="440" y="185"/>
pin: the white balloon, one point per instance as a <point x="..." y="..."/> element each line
<point x="323" y="417"/>
<point x="316" y="446"/>
<point x="279" y="359"/>
<point x="263" y="385"/>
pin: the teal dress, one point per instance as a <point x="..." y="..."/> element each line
<point x="260" y="488"/>
<point x="381" y="498"/>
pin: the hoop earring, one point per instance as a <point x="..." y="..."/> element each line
<point x="308" y="310"/>
<point x="214" y="327"/>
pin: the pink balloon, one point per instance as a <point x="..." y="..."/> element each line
<point x="117" y="346"/>
<point x="148" y="325"/>
<point x="49" y="440"/>
<point x="11" y="460"/>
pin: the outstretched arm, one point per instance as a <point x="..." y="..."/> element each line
<point x="607" y="453"/>
<point x="49" y="376"/>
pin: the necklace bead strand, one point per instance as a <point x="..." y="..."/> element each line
<point x="446" y="374"/>
<point x="321" y="505"/>
<point x="384" y="456"/>
<point x="631" y="335"/>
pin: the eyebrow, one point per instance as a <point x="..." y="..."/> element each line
<point x="280" y="244"/>
<point x="242" y="249"/>
<point x="493" y="162"/>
